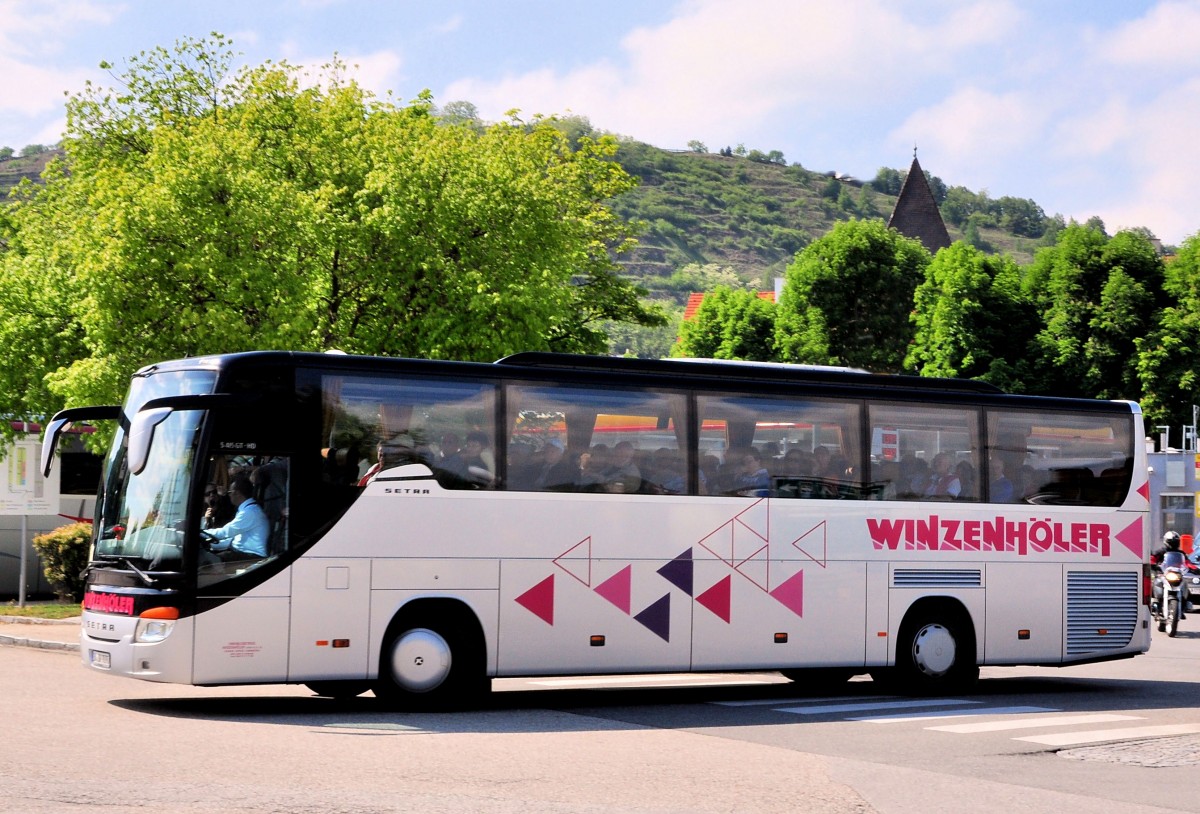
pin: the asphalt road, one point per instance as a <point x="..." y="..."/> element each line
<point x="1106" y="737"/>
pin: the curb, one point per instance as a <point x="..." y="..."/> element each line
<point x="21" y="641"/>
<point x="41" y="644"/>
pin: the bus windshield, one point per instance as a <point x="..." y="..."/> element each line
<point x="140" y="517"/>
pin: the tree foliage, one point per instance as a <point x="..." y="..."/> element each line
<point x="730" y="324"/>
<point x="848" y="297"/>
<point x="202" y="210"/>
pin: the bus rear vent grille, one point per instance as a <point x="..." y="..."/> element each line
<point x="936" y="578"/>
<point x="1102" y="610"/>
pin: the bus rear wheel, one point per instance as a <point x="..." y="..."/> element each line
<point x="430" y="666"/>
<point x="935" y="653"/>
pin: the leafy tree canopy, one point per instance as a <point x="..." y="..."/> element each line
<point x="201" y="210"/>
<point x="848" y="296"/>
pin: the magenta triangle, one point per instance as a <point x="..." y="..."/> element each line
<point x="540" y="600"/>
<point x="716" y="599"/>
<point x="616" y="588"/>
<point x="790" y="593"/>
<point x="657" y="618"/>
<point x="1131" y="537"/>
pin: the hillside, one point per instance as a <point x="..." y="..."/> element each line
<point x="14" y="170"/>
<point x="748" y="215"/>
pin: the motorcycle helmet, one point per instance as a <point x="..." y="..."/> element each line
<point x="1171" y="540"/>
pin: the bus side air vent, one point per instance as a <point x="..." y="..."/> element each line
<point x="1102" y="610"/>
<point x="937" y="578"/>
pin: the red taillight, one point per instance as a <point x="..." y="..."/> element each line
<point x="1147" y="584"/>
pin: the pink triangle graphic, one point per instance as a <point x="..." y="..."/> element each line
<point x="722" y="538"/>
<point x="716" y="598"/>
<point x="1131" y="537"/>
<point x="616" y="588"/>
<point x="540" y="600"/>
<point x="1144" y="490"/>
<point x="813" y="544"/>
<point x="574" y="564"/>
<point x="757" y="519"/>
<point x="790" y="593"/>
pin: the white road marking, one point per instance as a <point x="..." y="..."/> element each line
<point x="774" y="702"/>
<point x="924" y="716"/>
<point x="1034" y="723"/>
<point x="1098" y="735"/>
<point x="833" y="709"/>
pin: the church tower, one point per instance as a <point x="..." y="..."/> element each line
<point x="916" y="214"/>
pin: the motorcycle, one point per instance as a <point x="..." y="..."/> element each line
<point x="1171" y="593"/>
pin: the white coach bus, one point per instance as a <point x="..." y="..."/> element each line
<point x="416" y="528"/>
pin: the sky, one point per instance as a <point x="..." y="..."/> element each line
<point x="1088" y="107"/>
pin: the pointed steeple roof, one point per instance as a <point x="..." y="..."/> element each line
<point x="916" y="214"/>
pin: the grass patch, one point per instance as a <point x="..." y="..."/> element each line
<point x="41" y="610"/>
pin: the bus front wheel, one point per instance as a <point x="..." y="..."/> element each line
<point x="935" y="653"/>
<point x="430" y="666"/>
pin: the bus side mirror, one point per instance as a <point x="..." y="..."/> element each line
<point x="141" y="436"/>
<point x="65" y="418"/>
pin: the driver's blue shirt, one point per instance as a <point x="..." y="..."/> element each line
<point x="247" y="532"/>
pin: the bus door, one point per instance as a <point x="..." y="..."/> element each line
<point x="243" y="593"/>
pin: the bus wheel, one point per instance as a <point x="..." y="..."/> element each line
<point x="338" y="689"/>
<point x="935" y="653"/>
<point x="430" y="667"/>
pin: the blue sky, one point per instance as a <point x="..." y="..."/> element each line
<point x="1089" y="107"/>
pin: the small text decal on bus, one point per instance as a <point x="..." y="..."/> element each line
<point x="1032" y="536"/>
<point x="108" y="603"/>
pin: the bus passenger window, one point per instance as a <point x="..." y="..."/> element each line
<point x="924" y="452"/>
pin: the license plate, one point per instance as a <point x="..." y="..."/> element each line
<point x="100" y="659"/>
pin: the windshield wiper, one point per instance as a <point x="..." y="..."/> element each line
<point x="146" y="579"/>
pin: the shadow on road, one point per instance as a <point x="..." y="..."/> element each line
<point x="567" y="710"/>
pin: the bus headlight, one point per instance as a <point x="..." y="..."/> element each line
<point x="155" y="625"/>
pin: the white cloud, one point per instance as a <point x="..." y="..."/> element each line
<point x="450" y="25"/>
<point x="37" y="28"/>
<point x="723" y="61"/>
<point x="973" y="128"/>
<point x="1165" y="37"/>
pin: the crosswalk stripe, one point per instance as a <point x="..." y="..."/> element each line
<point x="1097" y="735"/>
<point x="1034" y="723"/>
<point x="774" y="702"/>
<point x="833" y="709"/>
<point x="957" y="713"/>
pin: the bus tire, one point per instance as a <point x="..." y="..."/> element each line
<point x="340" y="690"/>
<point x="936" y="651"/>
<point x="431" y="665"/>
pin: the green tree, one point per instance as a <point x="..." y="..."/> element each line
<point x="1098" y="296"/>
<point x="848" y="297"/>
<point x="888" y="181"/>
<point x="697" y="146"/>
<point x="6" y="153"/>
<point x="198" y="210"/>
<point x="971" y="320"/>
<point x="729" y="324"/>
<point x="1168" y="357"/>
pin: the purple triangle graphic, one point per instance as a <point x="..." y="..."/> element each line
<point x="678" y="572"/>
<point x="539" y="600"/>
<point x="657" y="618"/>
<point x="616" y="588"/>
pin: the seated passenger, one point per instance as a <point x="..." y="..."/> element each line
<point x="1001" y="487"/>
<point x="943" y="482"/>
<point x="751" y="479"/>
<point x="623" y="474"/>
<point x="470" y="462"/>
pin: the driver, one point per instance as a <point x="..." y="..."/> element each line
<point x="245" y="536"/>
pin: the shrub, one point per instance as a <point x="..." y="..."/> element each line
<point x="64" y="553"/>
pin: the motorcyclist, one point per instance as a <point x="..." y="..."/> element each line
<point x="1171" y="542"/>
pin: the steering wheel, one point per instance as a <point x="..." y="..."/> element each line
<point x="207" y="540"/>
